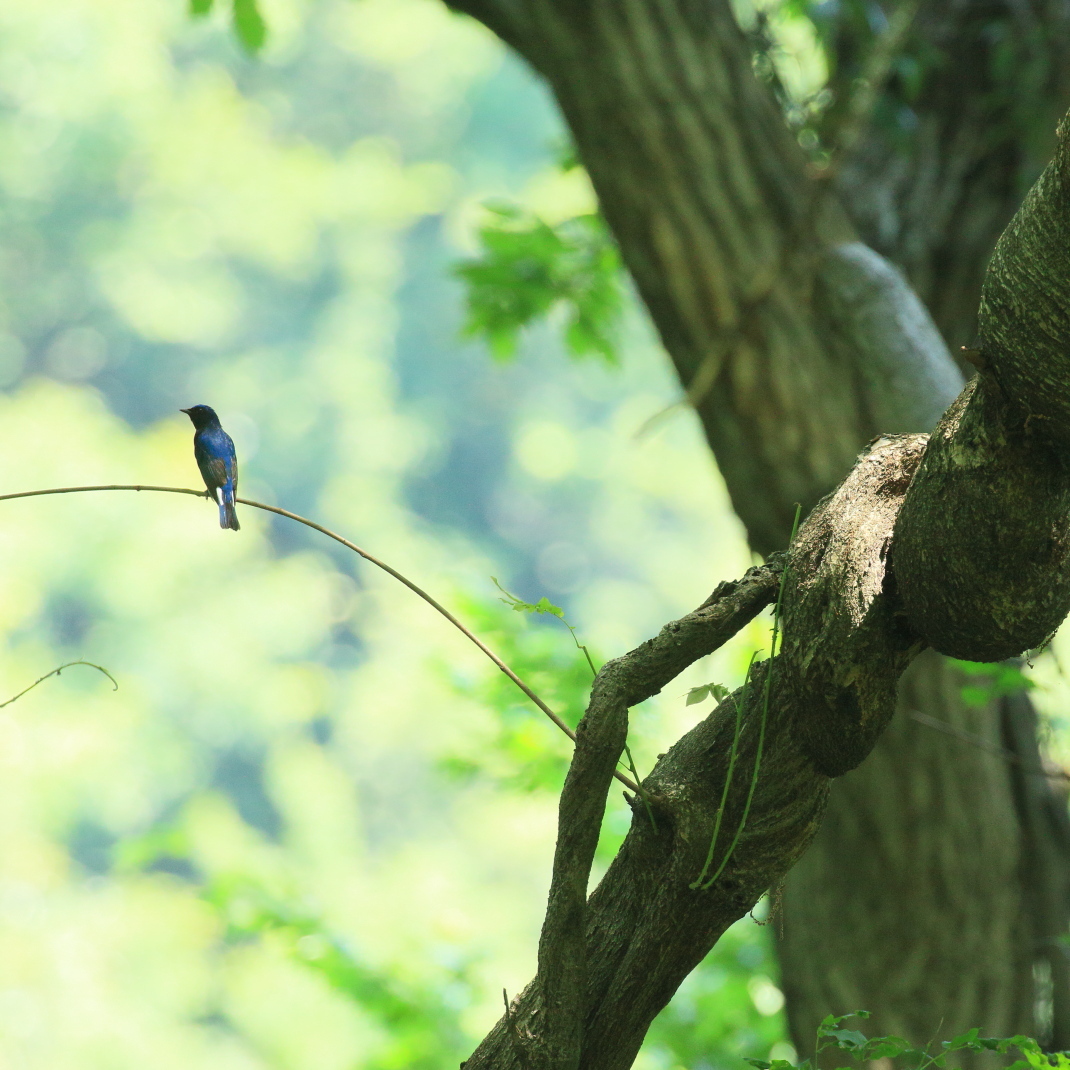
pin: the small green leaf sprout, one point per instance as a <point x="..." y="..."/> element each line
<point x="718" y="692"/>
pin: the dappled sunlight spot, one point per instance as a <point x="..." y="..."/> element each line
<point x="546" y="450"/>
<point x="433" y="54"/>
<point x="798" y="55"/>
<point x="371" y="184"/>
<point x="294" y="694"/>
<point x="222" y="844"/>
<point x="262" y="197"/>
<point x="31" y="860"/>
<point x="617" y="605"/>
<point x="319" y="805"/>
<point x="767" y="998"/>
<point x="198" y="306"/>
<point x="555" y="195"/>
<point x="298" y="1020"/>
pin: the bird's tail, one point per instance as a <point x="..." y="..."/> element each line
<point x="228" y="516"/>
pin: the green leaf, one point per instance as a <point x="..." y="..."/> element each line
<point x="718" y="692"/>
<point x="964" y="1040"/>
<point x="200" y="8"/>
<point x="847" y="1039"/>
<point x="829" y="1022"/>
<point x="991" y="681"/>
<point x="886" y="1048"/>
<point x="249" y="25"/>
<point x="544" y="605"/>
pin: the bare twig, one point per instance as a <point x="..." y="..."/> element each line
<point x="56" y="672"/>
<point x="416" y="589"/>
<point x="1054" y="773"/>
<point x="518" y="1040"/>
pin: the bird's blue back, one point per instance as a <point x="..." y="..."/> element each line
<point x="214" y="451"/>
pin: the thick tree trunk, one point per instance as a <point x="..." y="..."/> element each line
<point x="931" y="185"/>
<point x="938" y="173"/>
<point x="797" y="345"/>
<point x="899" y="847"/>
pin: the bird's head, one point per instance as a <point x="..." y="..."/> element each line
<point x="201" y="415"/>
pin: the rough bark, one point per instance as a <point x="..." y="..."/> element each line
<point x="775" y="318"/>
<point x="952" y="574"/>
<point x="908" y="877"/>
<point x="564" y="978"/>
<point x="741" y="258"/>
<point x="813" y="712"/>
<point x="669" y="895"/>
<point x="931" y="184"/>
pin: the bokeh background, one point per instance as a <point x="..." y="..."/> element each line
<point x="313" y="825"/>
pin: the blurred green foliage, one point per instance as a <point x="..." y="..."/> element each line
<point x="860" y="1049"/>
<point x="249" y="25"/>
<point x="529" y="268"/>
<point x="990" y="681"/>
<point x="313" y="827"/>
<point x="419" y="1025"/>
<point x="520" y="749"/>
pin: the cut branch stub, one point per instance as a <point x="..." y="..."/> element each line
<point x="982" y="542"/>
<point x="843" y="642"/>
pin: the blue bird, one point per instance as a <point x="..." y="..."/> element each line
<point x="214" y="450"/>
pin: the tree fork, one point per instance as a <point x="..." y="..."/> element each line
<point x="647" y="926"/>
<point x="702" y="187"/>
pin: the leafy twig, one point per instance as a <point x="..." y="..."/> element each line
<point x="739" y="704"/>
<point x="762" y="723"/>
<point x="544" y="605"/>
<point x="831" y="1036"/>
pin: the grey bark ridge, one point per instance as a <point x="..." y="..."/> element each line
<point x="846" y="639"/>
<point x="1025" y="305"/>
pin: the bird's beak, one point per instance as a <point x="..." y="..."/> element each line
<point x="186" y="411"/>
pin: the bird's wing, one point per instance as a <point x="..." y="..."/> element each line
<point x="213" y="469"/>
<point x="232" y="461"/>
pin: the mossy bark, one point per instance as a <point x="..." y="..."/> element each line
<point x="791" y="339"/>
